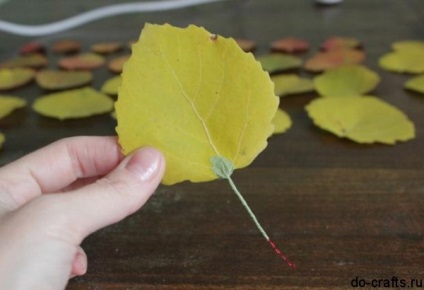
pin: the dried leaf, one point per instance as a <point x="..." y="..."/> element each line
<point x="246" y="44"/>
<point x="2" y="139"/>
<point x="361" y="119"/>
<point x="409" y="46"/>
<point x="279" y="62"/>
<point x="34" y="60"/>
<point x="59" y="80"/>
<point x="86" y="61"/>
<point x="290" y="45"/>
<point x="116" y="64"/>
<point x="10" y="103"/>
<point x="77" y="103"/>
<point x="334" y="58"/>
<point x="111" y="85"/>
<point x="66" y="46"/>
<point x="106" y="47"/>
<point x="182" y="92"/>
<point x="281" y="121"/>
<point x="11" y="78"/>
<point x="338" y="42"/>
<point x="287" y="84"/>
<point x="403" y="61"/>
<point x="416" y="84"/>
<point x="32" y="47"/>
<point x="352" y="80"/>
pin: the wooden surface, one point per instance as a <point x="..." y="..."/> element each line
<point x="339" y="210"/>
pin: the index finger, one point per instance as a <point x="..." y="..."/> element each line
<point x="55" y="166"/>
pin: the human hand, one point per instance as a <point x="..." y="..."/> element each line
<point x="50" y="200"/>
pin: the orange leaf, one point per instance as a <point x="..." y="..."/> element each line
<point x="334" y="58"/>
<point x="337" y="42"/>
<point x="246" y="44"/>
<point x="290" y="45"/>
<point x="86" y="61"/>
<point x="66" y="46"/>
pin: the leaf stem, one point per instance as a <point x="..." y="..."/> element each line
<point x="246" y="206"/>
<point x="258" y="225"/>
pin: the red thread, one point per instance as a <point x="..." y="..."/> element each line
<point x="281" y="255"/>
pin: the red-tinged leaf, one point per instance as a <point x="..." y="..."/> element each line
<point x="32" y="47"/>
<point x="66" y="46"/>
<point x="86" y="61"/>
<point x="12" y="78"/>
<point x="106" y="47"/>
<point x="338" y="42"/>
<point x="33" y="60"/>
<point x="290" y="45"/>
<point x="335" y="58"/>
<point x="116" y="64"/>
<point x="246" y="44"/>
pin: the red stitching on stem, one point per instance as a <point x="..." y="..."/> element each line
<point x="281" y="255"/>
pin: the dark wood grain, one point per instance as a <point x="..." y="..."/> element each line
<point x="337" y="209"/>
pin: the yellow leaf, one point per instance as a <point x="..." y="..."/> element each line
<point x="195" y="96"/>
<point x="409" y="45"/>
<point x="59" y="80"/>
<point x="9" y="103"/>
<point x="403" y="61"/>
<point x="77" y="103"/>
<point x="33" y="60"/>
<point x="416" y="84"/>
<point x="11" y="78"/>
<point x="361" y="119"/>
<point x="287" y="84"/>
<point x="281" y="121"/>
<point x="279" y="62"/>
<point x="111" y="85"/>
<point x="346" y="81"/>
<point x="2" y="139"/>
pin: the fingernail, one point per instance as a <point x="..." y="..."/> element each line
<point x="81" y="261"/>
<point x="145" y="163"/>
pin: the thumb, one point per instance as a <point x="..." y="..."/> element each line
<point x="117" y="195"/>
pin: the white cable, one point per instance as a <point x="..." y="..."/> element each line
<point x="112" y="10"/>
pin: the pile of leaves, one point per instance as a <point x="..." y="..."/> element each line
<point x="65" y="73"/>
<point x="343" y="84"/>
<point x="334" y="71"/>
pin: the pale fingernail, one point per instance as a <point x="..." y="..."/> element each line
<point x="145" y="163"/>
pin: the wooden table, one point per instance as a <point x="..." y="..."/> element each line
<point x="339" y="210"/>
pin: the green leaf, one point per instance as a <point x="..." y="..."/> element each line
<point x="279" y="62"/>
<point x="287" y="84"/>
<point x="409" y="46"/>
<point x="111" y="85"/>
<point x="361" y="119"/>
<point x="416" y="84"/>
<point x="60" y="80"/>
<point x="281" y="121"/>
<point x="2" y="139"/>
<point x="345" y="81"/>
<point x="33" y="60"/>
<point x="403" y="61"/>
<point x="71" y="104"/>
<point x="10" y="103"/>
<point x="15" y="77"/>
